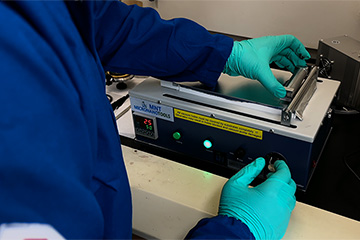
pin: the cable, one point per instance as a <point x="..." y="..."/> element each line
<point x="346" y="158"/>
<point x="346" y="111"/>
<point x="109" y="97"/>
<point x="123" y="112"/>
<point x="115" y="105"/>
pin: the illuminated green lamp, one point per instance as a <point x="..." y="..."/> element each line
<point x="207" y="144"/>
<point x="176" y="135"/>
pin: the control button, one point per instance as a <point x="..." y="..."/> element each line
<point x="239" y="153"/>
<point x="207" y="144"/>
<point x="220" y="157"/>
<point x="176" y="135"/>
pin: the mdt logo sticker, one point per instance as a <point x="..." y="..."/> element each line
<point x="152" y="109"/>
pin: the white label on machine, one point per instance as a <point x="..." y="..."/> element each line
<point x="152" y="109"/>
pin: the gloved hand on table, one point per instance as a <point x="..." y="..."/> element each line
<point x="251" y="59"/>
<point x="266" y="208"/>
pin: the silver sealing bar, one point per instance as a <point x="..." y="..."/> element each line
<point x="294" y="83"/>
<point x="301" y="99"/>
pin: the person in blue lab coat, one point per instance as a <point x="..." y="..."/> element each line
<point x="60" y="156"/>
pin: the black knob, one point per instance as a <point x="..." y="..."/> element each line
<point x="270" y="159"/>
<point x="121" y="86"/>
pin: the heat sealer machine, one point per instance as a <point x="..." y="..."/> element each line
<point x="239" y="120"/>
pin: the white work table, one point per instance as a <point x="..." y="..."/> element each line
<point x="169" y="198"/>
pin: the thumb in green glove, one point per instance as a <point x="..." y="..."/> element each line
<point x="266" y="208"/>
<point x="251" y="59"/>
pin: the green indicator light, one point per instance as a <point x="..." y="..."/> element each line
<point x="207" y="144"/>
<point x="176" y="135"/>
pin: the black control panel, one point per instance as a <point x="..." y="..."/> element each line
<point x="145" y="125"/>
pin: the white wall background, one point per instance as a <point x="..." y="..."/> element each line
<point x="308" y="20"/>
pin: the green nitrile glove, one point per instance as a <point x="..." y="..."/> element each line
<point x="251" y="59"/>
<point x="266" y="208"/>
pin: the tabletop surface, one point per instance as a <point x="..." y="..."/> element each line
<point x="169" y="198"/>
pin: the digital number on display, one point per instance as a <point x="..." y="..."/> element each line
<point x="145" y="126"/>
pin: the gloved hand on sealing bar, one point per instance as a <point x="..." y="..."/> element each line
<point x="251" y="59"/>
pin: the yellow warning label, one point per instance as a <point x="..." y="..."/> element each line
<point x="223" y="125"/>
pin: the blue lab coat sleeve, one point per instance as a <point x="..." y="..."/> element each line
<point x="137" y="41"/>
<point x="220" y="227"/>
<point x="60" y="156"/>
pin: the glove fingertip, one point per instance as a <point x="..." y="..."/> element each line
<point x="282" y="171"/>
<point x="259" y="162"/>
<point x="281" y="164"/>
<point x="302" y="63"/>
<point x="305" y="55"/>
<point x="280" y="92"/>
<point x="247" y="174"/>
